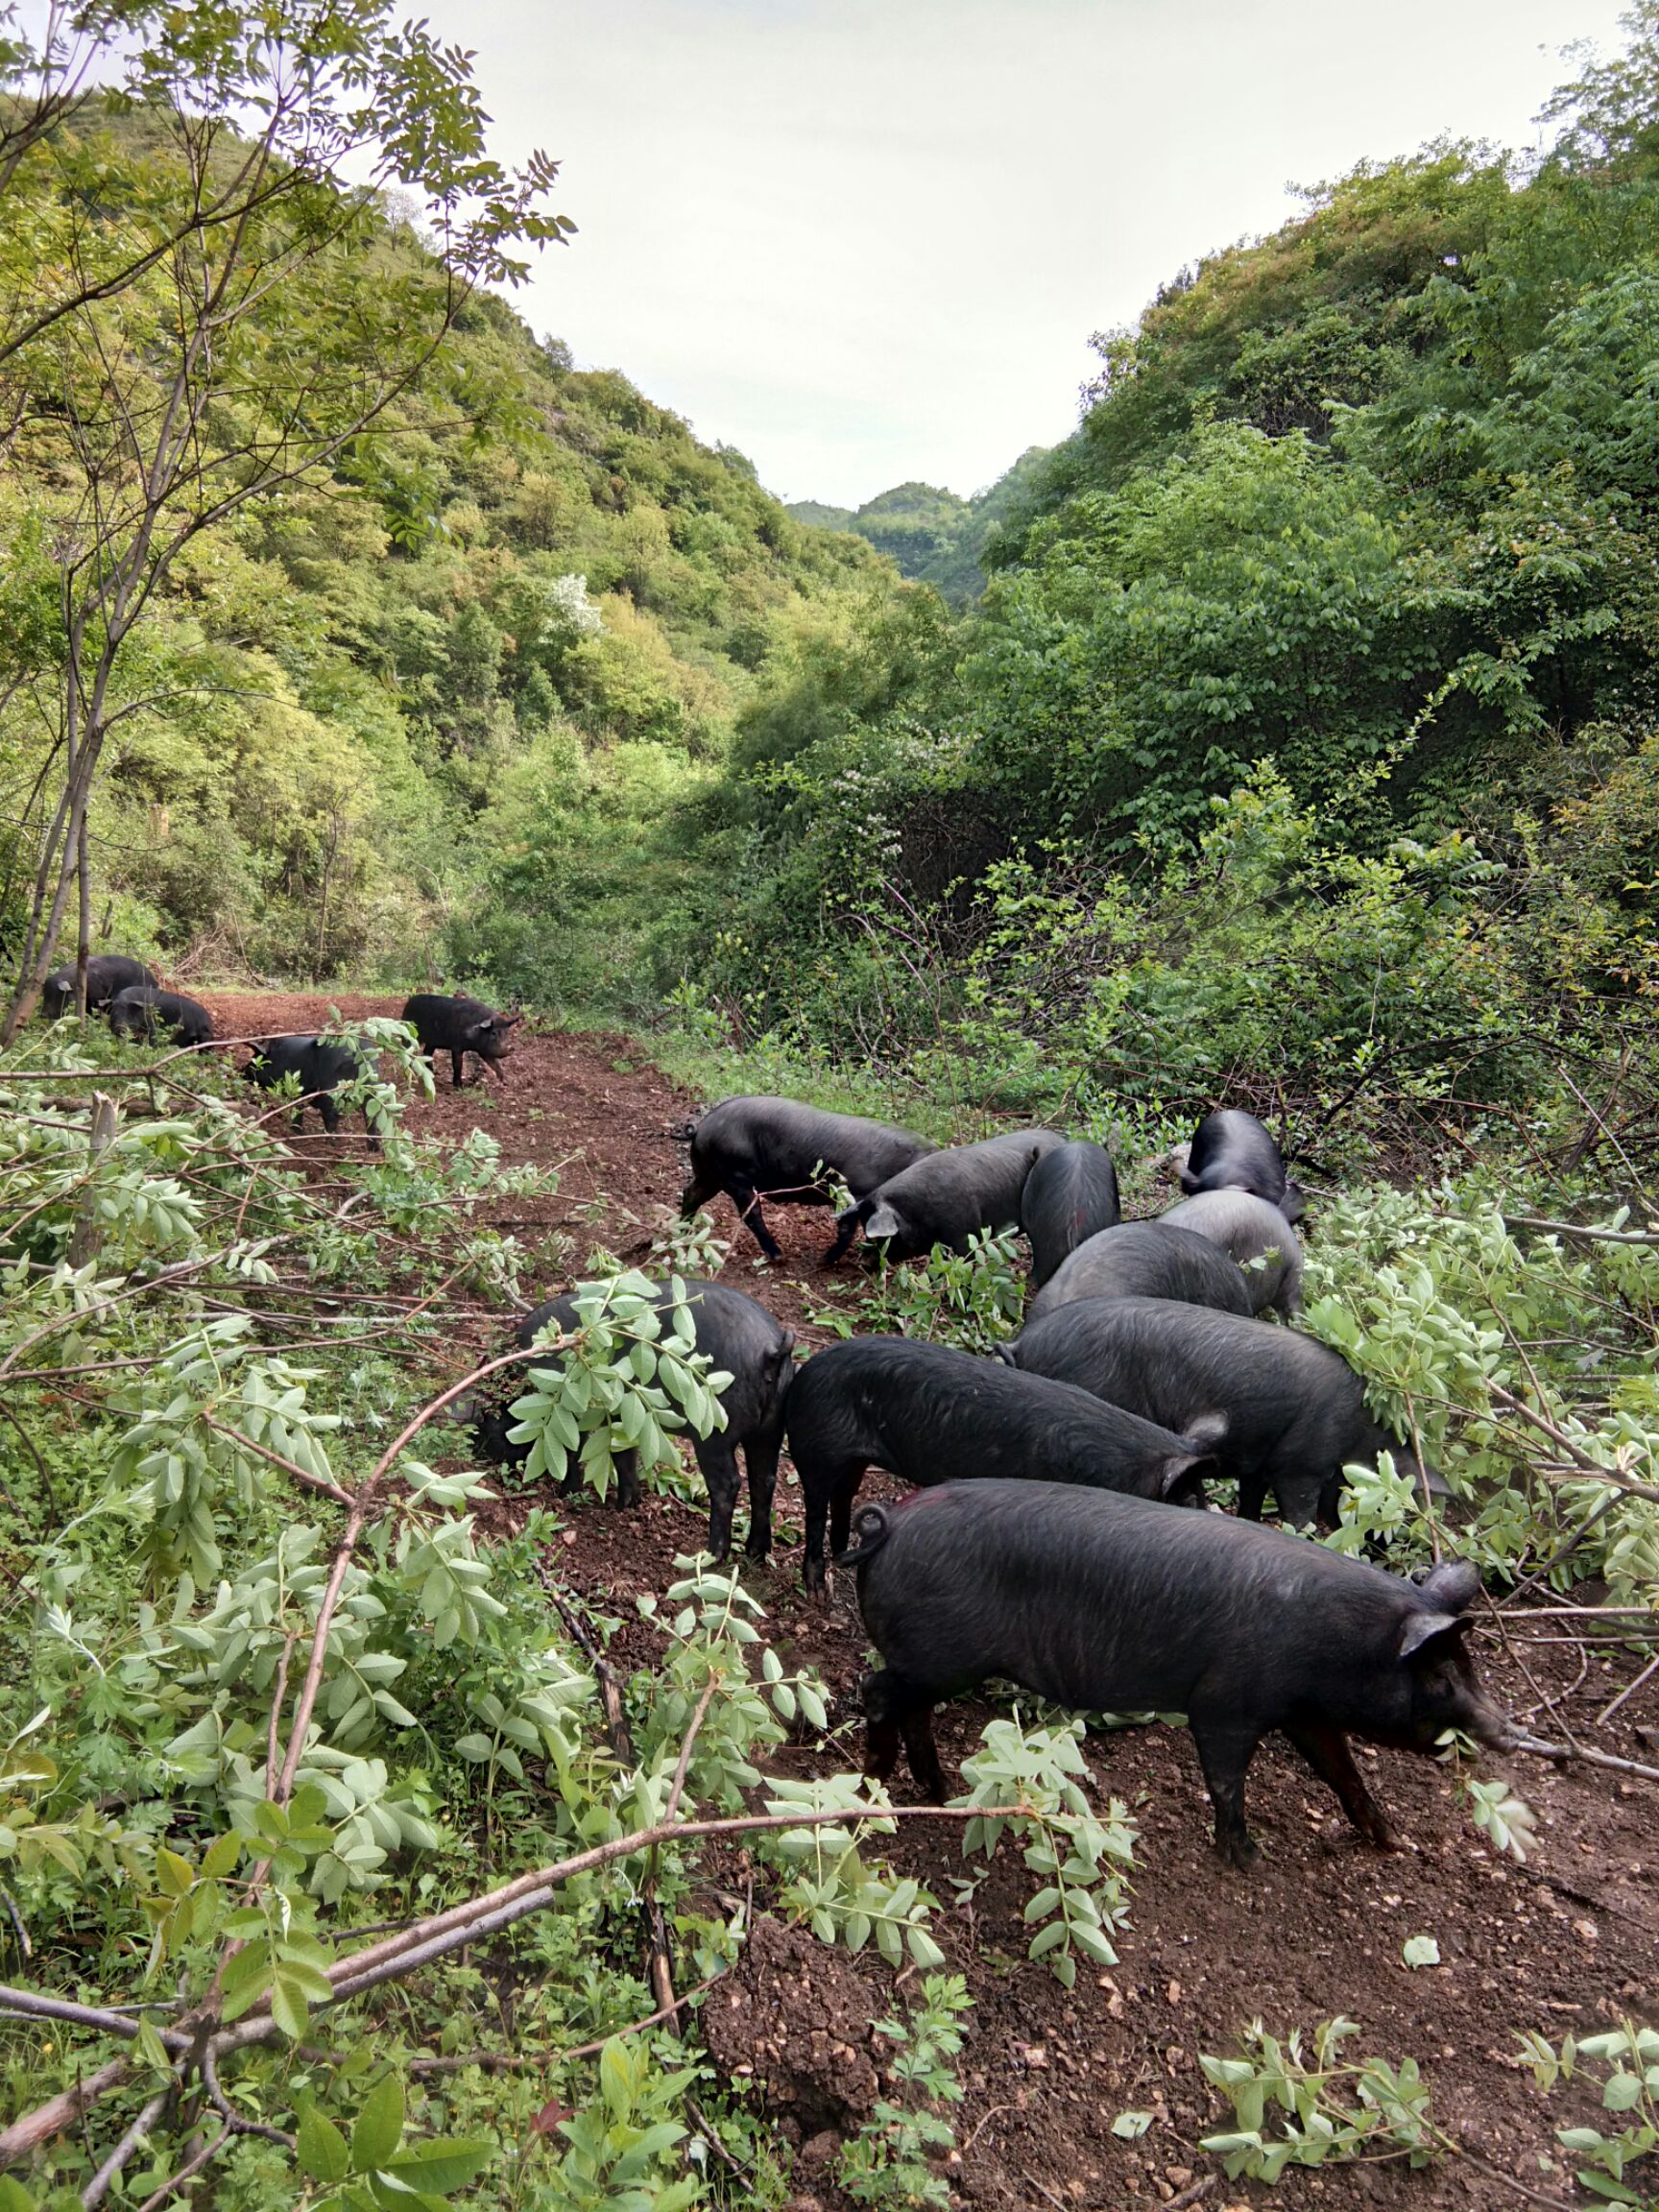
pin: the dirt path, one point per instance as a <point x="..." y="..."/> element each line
<point x="1314" y="1932"/>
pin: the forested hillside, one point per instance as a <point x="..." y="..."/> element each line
<point x="426" y="704"/>
<point x="1307" y="725"/>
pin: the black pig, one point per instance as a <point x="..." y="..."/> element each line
<point x="106" y="973"/>
<point x="1286" y="1412"/>
<point x="322" y="1068"/>
<point x="1069" y="1195"/>
<point x="142" y="1012"/>
<point x="1247" y="1228"/>
<point x="459" y="1025"/>
<point x="779" y="1149"/>
<point x="1145" y="1259"/>
<point x="948" y="1197"/>
<point x="1232" y="1151"/>
<point x="1105" y="1603"/>
<point x="741" y="1338"/>
<point x="926" y="1413"/>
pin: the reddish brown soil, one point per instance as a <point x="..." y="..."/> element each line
<point x="1564" y="1944"/>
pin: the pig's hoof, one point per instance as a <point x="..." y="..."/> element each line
<point x="1238" y="1851"/>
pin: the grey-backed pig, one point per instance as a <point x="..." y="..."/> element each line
<point x="1281" y="1410"/>
<point x="1146" y="1260"/>
<point x="1247" y="1228"/>
<point x="1105" y="1603"/>
<point x="742" y="1340"/>
<point x="929" y="1414"/>
<point x="321" y="1065"/>
<point x="948" y="1197"/>
<point x="782" y="1149"/>
<point x="107" y="973"/>
<point x="460" y="1025"/>
<point x="1232" y="1151"/>
<point x="141" y="1012"/>
<point x="1069" y="1195"/>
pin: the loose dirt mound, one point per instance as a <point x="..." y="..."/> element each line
<point x="1316" y="1930"/>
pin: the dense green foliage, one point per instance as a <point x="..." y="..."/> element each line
<point x="427" y="699"/>
<point x="1305" y="735"/>
<point x="266" y="1685"/>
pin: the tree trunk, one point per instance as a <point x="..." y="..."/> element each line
<point x="84" y="937"/>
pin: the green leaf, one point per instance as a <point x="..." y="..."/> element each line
<point x="1420" y="1951"/>
<point x="321" y="2149"/>
<point x="288" y="2006"/>
<point x="222" y="1855"/>
<point x="379" y="2127"/>
<point x="1131" y="2126"/>
<point x="442" y="2165"/>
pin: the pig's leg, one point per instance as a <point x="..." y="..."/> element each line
<point x="457" y="1063"/>
<point x="760" y="1453"/>
<point x="747" y="1200"/>
<point x="330" y="1111"/>
<point x="827" y="1489"/>
<point x="697" y="1192"/>
<point x="1326" y="1751"/>
<point x="916" y="1726"/>
<point x="880" y="1726"/>
<point x="816" y="1489"/>
<point x="895" y="1708"/>
<point x="718" y="1460"/>
<point x="1252" y="1495"/>
<point x="1225" y="1749"/>
<point x="841" y="1511"/>
<point x="627" y="1465"/>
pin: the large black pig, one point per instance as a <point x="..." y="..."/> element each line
<point x="1106" y="1602"/>
<point x="141" y="1013"/>
<point x="1232" y="1151"/>
<point x="321" y="1065"/>
<point x="778" y="1148"/>
<point x="1284" y="1412"/>
<point x="928" y="1414"/>
<point x="1248" y="1229"/>
<point x="107" y="973"/>
<point x="948" y="1197"/>
<point x="1069" y="1195"/>
<point x="742" y="1339"/>
<point x="460" y="1025"/>
<point x="1145" y="1259"/>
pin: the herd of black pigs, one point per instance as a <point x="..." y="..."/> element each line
<point x="1054" y="1533"/>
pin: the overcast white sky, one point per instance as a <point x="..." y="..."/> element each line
<point x="867" y="240"/>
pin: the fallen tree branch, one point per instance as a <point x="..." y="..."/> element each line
<point x="1574" y="1450"/>
<point x="1561" y="1754"/>
<point x="30" y="2130"/>
<point x="1513" y="1221"/>
<point x="102" y="2183"/>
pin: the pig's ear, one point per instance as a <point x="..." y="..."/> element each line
<point x="1183" y="1480"/>
<point x="1454" y="1584"/>
<point x="1421" y="1630"/>
<point x="1207" y="1430"/>
<point x="881" y="1221"/>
